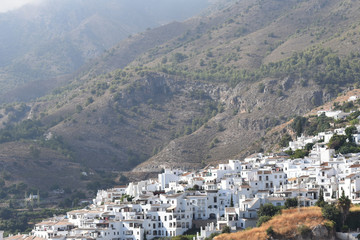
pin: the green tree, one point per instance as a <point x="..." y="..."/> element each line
<point x="321" y="202"/>
<point x="337" y="141"/>
<point x="298" y="125"/>
<point x="262" y="220"/>
<point x="331" y="213"/>
<point x="349" y="131"/>
<point x="299" y="153"/>
<point x="231" y="201"/>
<point x="284" y="142"/>
<point x="268" y="210"/>
<point x="179" y="57"/>
<point x="308" y="147"/>
<point x="220" y="127"/>
<point x="291" y="202"/>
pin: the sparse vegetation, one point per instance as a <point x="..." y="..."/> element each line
<point x="198" y="64"/>
<point x="284" y="225"/>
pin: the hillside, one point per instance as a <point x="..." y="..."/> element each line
<point x="48" y="41"/>
<point x="291" y="224"/>
<point x="270" y="141"/>
<point x="196" y="92"/>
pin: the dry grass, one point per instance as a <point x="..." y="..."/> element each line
<point x="355" y="208"/>
<point x="285" y="224"/>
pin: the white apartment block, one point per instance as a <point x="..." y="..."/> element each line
<point x="229" y="194"/>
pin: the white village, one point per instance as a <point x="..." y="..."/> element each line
<point x="215" y="197"/>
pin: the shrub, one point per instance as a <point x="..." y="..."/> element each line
<point x="212" y="236"/>
<point x="226" y="229"/>
<point x="291" y="202"/>
<point x="284" y="142"/>
<point x="262" y="220"/>
<point x="304" y="231"/>
<point x="89" y="101"/>
<point x="268" y="210"/>
<point x="330" y="212"/>
<point x="220" y="128"/>
<point x="329" y="224"/>
<point x="270" y="231"/>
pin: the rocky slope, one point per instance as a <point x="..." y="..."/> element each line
<point x="198" y="92"/>
<point x="248" y="114"/>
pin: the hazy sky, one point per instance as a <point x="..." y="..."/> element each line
<point x="7" y="5"/>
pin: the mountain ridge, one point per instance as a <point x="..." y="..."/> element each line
<point x="201" y="91"/>
<point x="57" y="37"/>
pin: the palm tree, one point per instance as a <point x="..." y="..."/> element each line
<point x="343" y="205"/>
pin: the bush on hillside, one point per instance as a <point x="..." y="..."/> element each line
<point x="304" y="231"/>
<point x="262" y="220"/>
<point x="268" y="210"/>
<point x="291" y="202"/>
